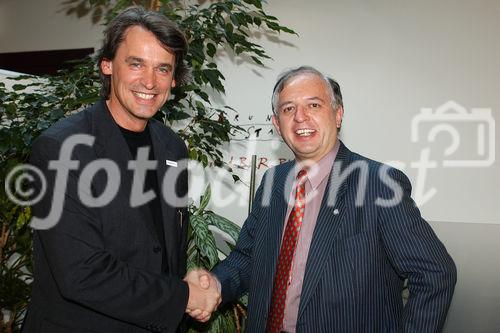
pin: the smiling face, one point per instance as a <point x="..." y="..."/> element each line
<point x="141" y="78"/>
<point x="305" y="118"/>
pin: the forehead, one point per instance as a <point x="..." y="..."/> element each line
<point x="137" y="39"/>
<point x="307" y="85"/>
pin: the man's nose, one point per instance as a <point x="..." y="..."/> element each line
<point x="301" y="114"/>
<point x="149" y="78"/>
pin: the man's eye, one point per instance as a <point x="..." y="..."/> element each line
<point x="315" y="105"/>
<point x="164" y="70"/>
<point x="135" y="65"/>
<point x="288" y="109"/>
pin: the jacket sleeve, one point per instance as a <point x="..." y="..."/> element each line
<point x="417" y="254"/>
<point x="86" y="272"/>
<point x="234" y="272"/>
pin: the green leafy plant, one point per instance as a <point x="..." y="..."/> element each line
<point x="26" y="109"/>
<point x="16" y="272"/>
<point x="214" y="29"/>
<point x="204" y="252"/>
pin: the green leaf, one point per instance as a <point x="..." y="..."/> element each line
<point x="225" y="225"/>
<point x="231" y="246"/>
<point x="288" y="30"/>
<point x="205" y="199"/>
<point x="204" y="160"/>
<point x="17" y="87"/>
<point x="200" y="107"/>
<point x="192" y="154"/>
<point x="204" y="240"/>
<point x="273" y="26"/>
<point x="213" y="76"/>
<point x="23" y="217"/>
<point x="272" y="18"/>
<point x="234" y="19"/>
<point x="56" y="114"/>
<point x="203" y="95"/>
<point x="256" y="3"/>
<point x="257" y="60"/>
<point x="211" y="49"/>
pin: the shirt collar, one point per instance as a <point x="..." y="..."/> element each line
<point x="320" y="171"/>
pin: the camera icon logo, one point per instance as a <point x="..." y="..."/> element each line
<point x="476" y="127"/>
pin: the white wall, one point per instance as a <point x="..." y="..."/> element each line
<point x="39" y="25"/>
<point x="392" y="58"/>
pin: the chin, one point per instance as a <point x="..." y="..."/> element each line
<point x="145" y="114"/>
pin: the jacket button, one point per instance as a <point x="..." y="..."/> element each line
<point x="157" y="249"/>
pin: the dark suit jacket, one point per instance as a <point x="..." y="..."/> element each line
<point x="99" y="269"/>
<point x="359" y="256"/>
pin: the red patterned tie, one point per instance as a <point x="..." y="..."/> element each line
<point x="285" y="259"/>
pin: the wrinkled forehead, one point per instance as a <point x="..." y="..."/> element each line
<point x="303" y="78"/>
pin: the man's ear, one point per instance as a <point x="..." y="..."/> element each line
<point x="107" y="66"/>
<point x="339" y="114"/>
<point x="276" y="123"/>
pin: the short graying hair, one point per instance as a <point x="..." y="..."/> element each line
<point x="285" y="77"/>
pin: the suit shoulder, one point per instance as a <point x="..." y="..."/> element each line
<point x="280" y="169"/>
<point x="370" y="162"/>
<point x="378" y="168"/>
<point x="78" y="122"/>
<point x="50" y="140"/>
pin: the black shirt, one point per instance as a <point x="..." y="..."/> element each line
<point x="136" y="140"/>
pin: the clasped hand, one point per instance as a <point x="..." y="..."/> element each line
<point x="204" y="294"/>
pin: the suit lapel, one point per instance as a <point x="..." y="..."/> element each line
<point x="279" y="207"/>
<point x="170" y="223"/>
<point x="330" y="217"/>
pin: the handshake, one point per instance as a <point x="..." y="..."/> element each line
<point x="204" y="294"/>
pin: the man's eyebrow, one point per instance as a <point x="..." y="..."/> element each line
<point x="169" y="66"/>
<point x="310" y="99"/>
<point x="315" y="98"/>
<point x="140" y="60"/>
<point x="283" y="104"/>
<point x="133" y="59"/>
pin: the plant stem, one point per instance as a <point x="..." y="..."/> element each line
<point x="3" y="238"/>
<point x="238" y="327"/>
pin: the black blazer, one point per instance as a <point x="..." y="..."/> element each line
<point x="99" y="269"/>
<point x="360" y="254"/>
